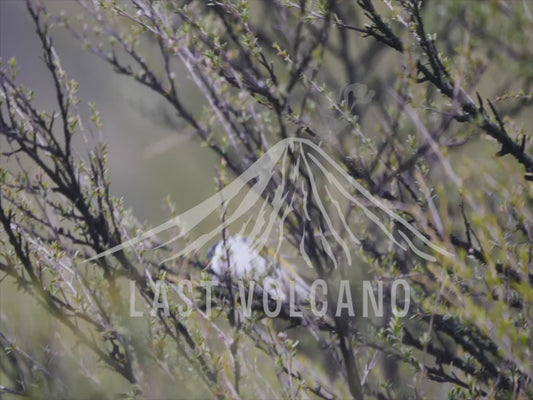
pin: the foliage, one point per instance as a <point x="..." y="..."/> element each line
<point x="437" y="143"/>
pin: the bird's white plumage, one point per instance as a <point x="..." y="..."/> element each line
<point x="242" y="260"/>
<point x="238" y="260"/>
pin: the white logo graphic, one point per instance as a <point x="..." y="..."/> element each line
<point x="279" y="171"/>
<point x="355" y="94"/>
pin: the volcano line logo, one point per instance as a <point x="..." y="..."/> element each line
<point x="295" y="180"/>
<point x="309" y="157"/>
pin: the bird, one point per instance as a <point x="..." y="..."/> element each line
<point x="237" y="259"/>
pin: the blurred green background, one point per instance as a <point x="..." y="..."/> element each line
<point x="152" y="154"/>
